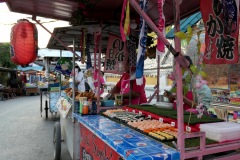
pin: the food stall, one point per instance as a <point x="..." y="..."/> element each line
<point x="30" y="76"/>
<point x="91" y="130"/>
<point x="54" y="79"/>
<point x="129" y="144"/>
<point x="131" y="137"/>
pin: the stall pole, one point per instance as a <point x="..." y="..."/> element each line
<point x="47" y="103"/>
<point x="99" y="70"/>
<point x="34" y="18"/>
<point x="177" y="55"/>
<point x="158" y="76"/>
<point x="156" y="87"/>
<point x="60" y="79"/>
<point x="74" y="81"/>
<point x="151" y="97"/>
<point x="41" y="102"/>
<point x="73" y="107"/>
<point x="131" y="88"/>
<point x="95" y="50"/>
<point x="177" y="41"/>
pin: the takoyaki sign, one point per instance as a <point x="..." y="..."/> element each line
<point x="221" y="25"/>
<point x="116" y="55"/>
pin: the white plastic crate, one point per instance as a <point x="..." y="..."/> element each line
<point x="221" y="131"/>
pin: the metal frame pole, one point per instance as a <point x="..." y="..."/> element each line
<point x="73" y="104"/>
<point x="180" y="120"/>
<point x="151" y="97"/>
<point x="74" y="80"/>
<point x="99" y="70"/>
<point x="158" y="76"/>
<point x="60" y="79"/>
<point x="34" y="18"/>
<point x="95" y="50"/>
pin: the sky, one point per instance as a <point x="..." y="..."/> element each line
<point x="8" y="19"/>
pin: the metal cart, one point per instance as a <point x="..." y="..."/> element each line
<point x="31" y="90"/>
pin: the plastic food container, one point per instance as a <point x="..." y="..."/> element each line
<point x="221" y="131"/>
<point x="164" y="105"/>
<point x="107" y="103"/>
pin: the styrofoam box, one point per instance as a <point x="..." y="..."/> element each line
<point x="221" y="131"/>
<point x="164" y="105"/>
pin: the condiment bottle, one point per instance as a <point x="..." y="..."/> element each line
<point x="90" y="105"/>
<point x="80" y="107"/>
<point x="85" y="108"/>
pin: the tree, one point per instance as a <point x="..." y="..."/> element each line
<point x="5" y="60"/>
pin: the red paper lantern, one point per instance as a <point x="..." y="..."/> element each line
<point x="24" y="42"/>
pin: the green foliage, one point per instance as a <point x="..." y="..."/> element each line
<point x="5" y="60"/>
<point x="194" y="69"/>
<point x="187" y="36"/>
<point x="185" y="89"/>
<point x="203" y="74"/>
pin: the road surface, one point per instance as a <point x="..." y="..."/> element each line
<point x="24" y="135"/>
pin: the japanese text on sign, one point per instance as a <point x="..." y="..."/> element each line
<point x="221" y="24"/>
<point x="116" y="55"/>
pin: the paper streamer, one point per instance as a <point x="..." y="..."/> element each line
<point x="88" y="43"/>
<point x="83" y="44"/>
<point x="142" y="45"/>
<point x="161" y="26"/>
<point x="127" y="21"/>
<point x="125" y="31"/>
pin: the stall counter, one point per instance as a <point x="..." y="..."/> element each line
<point x="124" y="141"/>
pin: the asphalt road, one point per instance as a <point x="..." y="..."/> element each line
<point x="24" y="135"/>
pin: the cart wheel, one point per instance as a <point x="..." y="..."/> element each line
<point x="46" y="108"/>
<point x="57" y="140"/>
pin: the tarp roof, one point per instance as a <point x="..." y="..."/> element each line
<point x="103" y="10"/>
<point x="54" y="53"/>
<point x="32" y="67"/>
<point x="190" y="21"/>
<point x="67" y="34"/>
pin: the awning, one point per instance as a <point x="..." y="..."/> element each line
<point x="54" y="53"/>
<point x="32" y="67"/>
<point x="190" y="21"/>
<point x="102" y="10"/>
<point x="67" y="34"/>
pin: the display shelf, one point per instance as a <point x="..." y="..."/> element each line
<point x="191" y="142"/>
<point x="229" y="112"/>
<point x="226" y="105"/>
<point x="220" y="95"/>
<point x="126" y="141"/>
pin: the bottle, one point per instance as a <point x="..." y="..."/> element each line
<point x="85" y="108"/>
<point x="90" y="105"/>
<point x="80" y="107"/>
